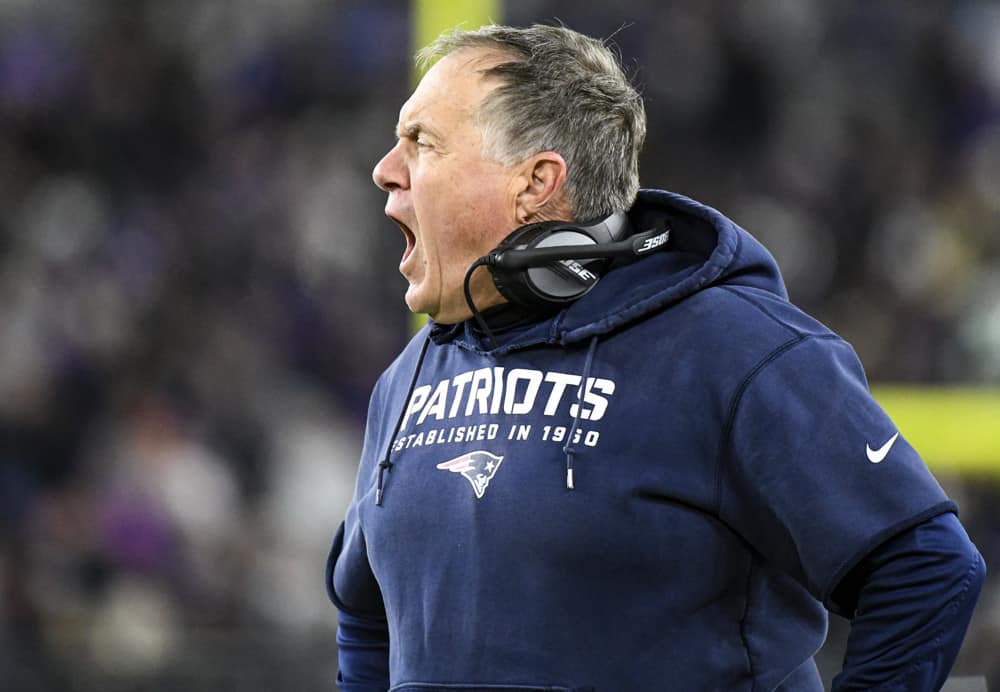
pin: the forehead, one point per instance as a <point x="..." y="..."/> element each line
<point x="453" y="88"/>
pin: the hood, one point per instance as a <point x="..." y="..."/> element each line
<point x="706" y="249"/>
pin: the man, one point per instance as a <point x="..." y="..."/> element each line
<point x="645" y="471"/>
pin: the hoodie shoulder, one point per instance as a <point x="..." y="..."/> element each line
<point x="735" y="328"/>
<point x="777" y="313"/>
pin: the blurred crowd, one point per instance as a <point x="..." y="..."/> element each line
<point x="198" y="287"/>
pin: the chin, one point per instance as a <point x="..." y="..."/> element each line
<point x="414" y="307"/>
<point x="417" y="303"/>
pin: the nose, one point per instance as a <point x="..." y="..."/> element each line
<point x="390" y="173"/>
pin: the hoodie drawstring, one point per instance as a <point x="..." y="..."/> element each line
<point x="568" y="449"/>
<point x="386" y="463"/>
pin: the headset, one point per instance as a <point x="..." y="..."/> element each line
<point x="549" y="264"/>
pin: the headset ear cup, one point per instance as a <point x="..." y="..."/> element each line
<point x="548" y="286"/>
<point x="511" y="282"/>
<point x="553" y="284"/>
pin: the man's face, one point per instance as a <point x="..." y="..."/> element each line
<point x="452" y="205"/>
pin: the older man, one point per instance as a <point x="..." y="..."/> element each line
<point x="617" y="458"/>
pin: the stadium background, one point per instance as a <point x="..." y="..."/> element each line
<point x="198" y="287"/>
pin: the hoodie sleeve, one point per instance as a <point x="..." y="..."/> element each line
<point x="362" y="628"/>
<point x="816" y="475"/>
<point x="912" y="600"/>
<point x="362" y="631"/>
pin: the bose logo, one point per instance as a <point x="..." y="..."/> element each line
<point x="653" y="243"/>
<point x="582" y="272"/>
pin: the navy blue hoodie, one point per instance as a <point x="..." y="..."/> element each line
<point x="658" y="487"/>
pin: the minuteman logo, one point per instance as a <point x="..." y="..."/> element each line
<point x="478" y="467"/>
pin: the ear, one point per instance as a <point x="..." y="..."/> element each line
<point x="540" y="188"/>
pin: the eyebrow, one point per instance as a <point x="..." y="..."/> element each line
<point x="413" y="130"/>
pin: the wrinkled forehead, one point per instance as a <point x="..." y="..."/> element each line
<point x="455" y="85"/>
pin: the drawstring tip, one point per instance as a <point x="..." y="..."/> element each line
<point x="383" y="466"/>
<point x="569" y="479"/>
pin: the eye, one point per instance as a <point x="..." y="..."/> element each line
<point x="415" y="137"/>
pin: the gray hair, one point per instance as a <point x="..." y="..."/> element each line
<point x="560" y="91"/>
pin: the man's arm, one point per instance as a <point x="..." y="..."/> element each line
<point x="914" y="598"/>
<point x="362" y="637"/>
<point x="363" y="651"/>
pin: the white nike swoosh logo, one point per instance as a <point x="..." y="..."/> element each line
<point x="877" y="455"/>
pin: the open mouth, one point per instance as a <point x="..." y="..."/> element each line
<point x="411" y="239"/>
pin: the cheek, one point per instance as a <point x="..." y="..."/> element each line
<point x="461" y="212"/>
<point x="453" y="217"/>
<point x="482" y="208"/>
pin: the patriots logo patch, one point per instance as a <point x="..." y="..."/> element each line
<point x="478" y="467"/>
